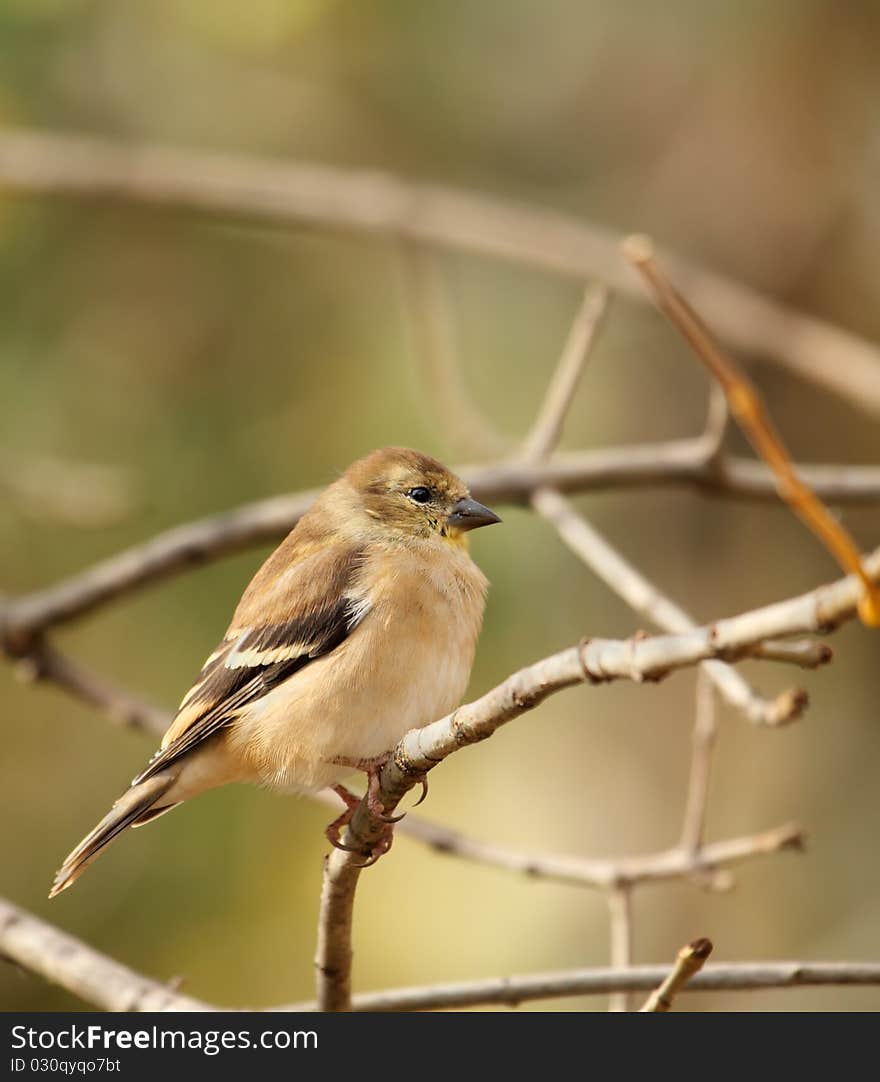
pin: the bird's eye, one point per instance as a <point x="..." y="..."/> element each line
<point x="420" y="494"/>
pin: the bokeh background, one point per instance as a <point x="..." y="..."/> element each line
<point x="212" y="364"/>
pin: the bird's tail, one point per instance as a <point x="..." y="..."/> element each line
<point x="134" y="807"/>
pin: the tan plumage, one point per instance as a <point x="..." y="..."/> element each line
<point x="361" y="625"/>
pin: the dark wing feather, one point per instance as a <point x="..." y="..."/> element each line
<point x="315" y="615"/>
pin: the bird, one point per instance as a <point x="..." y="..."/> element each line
<point x="360" y="626"/>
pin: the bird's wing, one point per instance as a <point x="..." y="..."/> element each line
<point x="287" y="617"/>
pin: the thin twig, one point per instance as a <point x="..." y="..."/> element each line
<point x="620" y="914"/>
<point x="102" y="982"/>
<point x="68" y="962"/>
<point x="806" y="653"/>
<point x="688" y="964"/>
<point x="717" y="420"/>
<point x="366" y="200"/>
<point x="45" y="663"/>
<point x="178" y="549"/>
<point x="595" y="661"/>
<point x="751" y="414"/>
<point x="512" y="991"/>
<point x="676" y="462"/>
<point x="704" y="737"/>
<point x="600" y="874"/>
<point x="665" y="864"/>
<point x="333" y="953"/>
<point x="644" y="598"/>
<point x="547" y="429"/>
<point x="125" y="709"/>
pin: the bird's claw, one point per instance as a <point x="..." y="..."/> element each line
<point x="380" y="848"/>
<point x="377" y="808"/>
<point x="333" y="832"/>
<point x="372" y="768"/>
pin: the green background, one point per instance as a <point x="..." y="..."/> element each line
<point x="215" y="364"/>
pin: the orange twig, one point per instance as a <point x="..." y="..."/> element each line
<point x="751" y="415"/>
<point x="689" y="962"/>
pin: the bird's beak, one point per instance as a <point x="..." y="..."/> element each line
<point x="467" y="514"/>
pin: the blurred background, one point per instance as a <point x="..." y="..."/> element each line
<point x="209" y="364"/>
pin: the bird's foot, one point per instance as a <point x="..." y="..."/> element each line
<point x="333" y="832"/>
<point x="375" y="805"/>
<point x="372" y="768"/>
<point x="380" y="846"/>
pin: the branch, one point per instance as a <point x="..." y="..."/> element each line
<point x="174" y="550"/>
<point x="512" y="991"/>
<point x="705" y="735"/>
<point x="263" y="190"/>
<point x="642" y="596"/>
<point x="688" y="964"/>
<point x="747" y="479"/>
<point x="806" y="654"/>
<point x="594" y="661"/>
<point x="547" y="429"/>
<point x="673" y="863"/>
<point x="98" y="980"/>
<point x="675" y="462"/>
<point x="747" y="406"/>
<point x="620" y="914"/>
<point x="44" y="662"/>
<point x="599" y="555"/>
<point x="333" y="952"/>
<point x="61" y="959"/>
<point x="606" y="874"/>
<point x="377" y="203"/>
<point x="124" y="709"/>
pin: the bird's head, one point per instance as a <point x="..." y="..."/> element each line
<point x="413" y="495"/>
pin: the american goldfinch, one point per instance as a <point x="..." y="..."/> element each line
<point x="360" y="626"/>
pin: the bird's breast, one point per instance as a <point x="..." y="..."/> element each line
<point x="406" y="664"/>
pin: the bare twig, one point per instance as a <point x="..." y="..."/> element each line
<point x="314" y="195"/>
<point x="743" y="478"/>
<point x="418" y="214"/>
<point x="607" y="874"/>
<point x="595" y="661"/>
<point x="333" y="953"/>
<point x="688" y="964"/>
<point x="805" y="653"/>
<point x="751" y="414"/>
<point x="705" y="734"/>
<point x="642" y="596"/>
<point x="46" y="663"/>
<point x="124" y="709"/>
<point x="511" y="991"/>
<point x="547" y="429"/>
<point x="98" y="980"/>
<point x="620" y="913"/>
<point x="717" y="419"/>
<point x="676" y="462"/>
<point x="175" y="550"/>
<point x="66" y="961"/>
